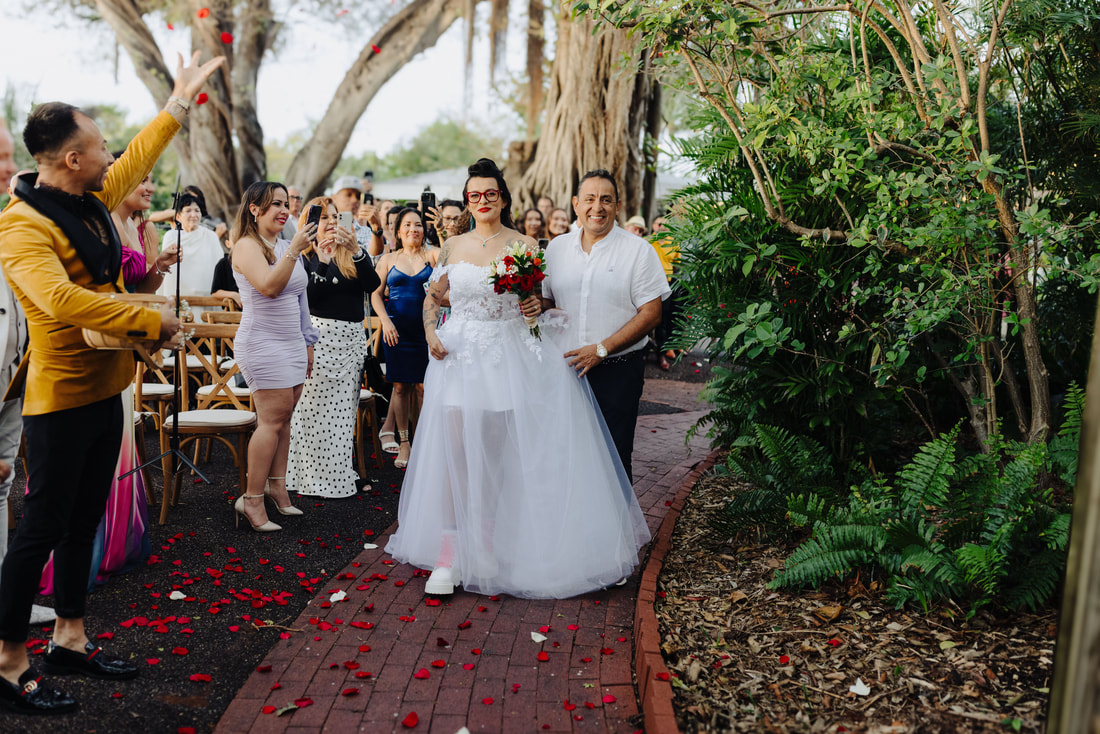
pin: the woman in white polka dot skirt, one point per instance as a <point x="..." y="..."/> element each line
<point x="322" y="429"/>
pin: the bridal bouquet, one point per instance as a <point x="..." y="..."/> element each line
<point x="519" y="270"/>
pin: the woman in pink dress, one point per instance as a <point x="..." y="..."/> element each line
<point x="274" y="344"/>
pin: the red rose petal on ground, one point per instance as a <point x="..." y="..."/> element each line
<point x="350" y="692"/>
<point x="105" y="636"/>
<point x="375" y="49"/>
<point x="570" y="706"/>
<point x="179" y="650"/>
<point x="589" y="705"/>
<point x="661" y="676"/>
<point x="276" y="687"/>
<point x="544" y="629"/>
<point x="578" y="717"/>
<point x="351" y="665"/>
<point x="834" y="642"/>
<point x="200" y="678"/>
<point x="476" y="651"/>
<point x="116" y="694"/>
<point x="439" y="663"/>
<point x="607" y="651"/>
<point x="432" y="602"/>
<point x="609" y="699"/>
<point x="543" y="656"/>
<point x="586" y="660"/>
<point x="263" y="668"/>
<point x="203" y="13"/>
<point x="303" y="702"/>
<point x="441" y="642"/>
<point x="466" y="625"/>
<point x="152" y="661"/>
<point x="227" y="37"/>
<point x="784" y="659"/>
<point x="268" y="709"/>
<point x="185" y="730"/>
<point x="487" y="701"/>
<point x="422" y="674"/>
<point x="234" y="628"/>
<point x="573" y="627"/>
<point x="363" y="674"/>
<point x="364" y="648"/>
<point x="203" y="98"/>
<point x="467" y="666"/>
<point x="410" y="721"/>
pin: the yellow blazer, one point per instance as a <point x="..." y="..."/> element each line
<point x="59" y="298"/>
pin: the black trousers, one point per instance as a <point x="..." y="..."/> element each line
<point x="71" y="458"/>
<point x="618" y="390"/>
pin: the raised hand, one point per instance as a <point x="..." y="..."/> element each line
<point x="191" y="78"/>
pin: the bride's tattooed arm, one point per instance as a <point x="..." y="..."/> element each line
<point x="437" y="297"/>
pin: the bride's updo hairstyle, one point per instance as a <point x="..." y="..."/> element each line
<point x="486" y="168"/>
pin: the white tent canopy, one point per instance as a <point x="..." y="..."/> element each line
<point x="447" y="184"/>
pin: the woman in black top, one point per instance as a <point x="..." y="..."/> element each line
<point x="323" y="426"/>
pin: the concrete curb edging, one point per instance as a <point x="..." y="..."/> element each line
<point x="655" y="695"/>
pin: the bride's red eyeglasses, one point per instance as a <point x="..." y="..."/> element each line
<point x="475" y="196"/>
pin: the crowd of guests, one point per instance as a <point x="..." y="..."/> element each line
<point x="520" y="480"/>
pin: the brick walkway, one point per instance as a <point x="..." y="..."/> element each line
<point x="382" y="656"/>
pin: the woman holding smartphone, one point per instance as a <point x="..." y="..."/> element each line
<point x="322" y="429"/>
<point x="274" y="344"/>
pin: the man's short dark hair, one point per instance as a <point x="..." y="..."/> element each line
<point x="450" y="202"/>
<point x="598" y="173"/>
<point x="49" y="127"/>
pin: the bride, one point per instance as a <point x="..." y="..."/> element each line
<point x="513" y="485"/>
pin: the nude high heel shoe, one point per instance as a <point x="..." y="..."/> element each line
<point x="238" y="508"/>
<point x="289" y="509"/>
<point x="402" y="463"/>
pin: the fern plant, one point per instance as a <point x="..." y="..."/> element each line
<point x="977" y="529"/>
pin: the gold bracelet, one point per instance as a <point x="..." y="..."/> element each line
<point x="180" y="103"/>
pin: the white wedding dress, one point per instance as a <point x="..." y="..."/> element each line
<point x="513" y="478"/>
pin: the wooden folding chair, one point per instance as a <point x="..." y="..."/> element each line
<point x="216" y="424"/>
<point x="366" y="419"/>
<point x="211" y="352"/>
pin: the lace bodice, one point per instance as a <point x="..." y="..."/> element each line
<point x="481" y="322"/>
<point x="472" y="298"/>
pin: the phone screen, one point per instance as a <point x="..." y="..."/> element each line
<point x="314" y="216"/>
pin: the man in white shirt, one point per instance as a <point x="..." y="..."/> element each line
<point x="294" y="196"/>
<point x="611" y="284"/>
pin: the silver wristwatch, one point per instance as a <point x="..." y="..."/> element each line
<point x="601" y="351"/>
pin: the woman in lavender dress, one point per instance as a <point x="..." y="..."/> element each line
<point x="274" y="344"/>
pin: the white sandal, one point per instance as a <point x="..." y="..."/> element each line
<point x="391" y="446"/>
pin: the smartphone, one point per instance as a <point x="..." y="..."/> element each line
<point x="427" y="202"/>
<point x="368" y="198"/>
<point x="543" y="243"/>
<point x="313" y="216"/>
<point x="368" y="175"/>
<point x="344" y="220"/>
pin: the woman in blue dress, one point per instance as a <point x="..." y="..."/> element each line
<point x="404" y="274"/>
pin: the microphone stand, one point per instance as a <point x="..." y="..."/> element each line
<point x="178" y="373"/>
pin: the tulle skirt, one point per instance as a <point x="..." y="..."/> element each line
<point x="513" y="479"/>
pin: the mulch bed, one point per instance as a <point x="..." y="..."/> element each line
<point x="241" y="589"/>
<point x="746" y="658"/>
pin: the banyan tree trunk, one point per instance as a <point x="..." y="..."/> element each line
<point x="595" y="115"/>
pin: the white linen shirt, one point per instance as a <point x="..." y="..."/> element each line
<point x="603" y="289"/>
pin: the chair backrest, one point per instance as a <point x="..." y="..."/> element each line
<point x="373" y="325"/>
<point x="222" y="317"/>
<point x="208" y="343"/>
<point x="210" y="302"/>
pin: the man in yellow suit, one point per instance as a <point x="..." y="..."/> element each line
<point x="59" y="251"/>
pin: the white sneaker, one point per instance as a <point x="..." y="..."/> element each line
<point x="442" y="581"/>
<point x="42" y="615"/>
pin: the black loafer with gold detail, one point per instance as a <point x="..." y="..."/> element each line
<point x="30" y="697"/>
<point x="62" y="661"/>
